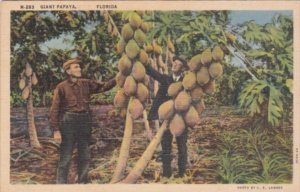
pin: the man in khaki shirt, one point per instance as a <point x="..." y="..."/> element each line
<point x="70" y="118"/>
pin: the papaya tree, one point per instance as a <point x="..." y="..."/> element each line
<point x="135" y="50"/>
<point x="27" y="80"/>
<point x="131" y="80"/>
<point x="85" y="36"/>
<point x="271" y="97"/>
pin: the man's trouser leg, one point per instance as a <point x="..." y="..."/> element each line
<point x="182" y="152"/>
<point x="84" y="134"/>
<point x="166" y="144"/>
<point x="66" y="148"/>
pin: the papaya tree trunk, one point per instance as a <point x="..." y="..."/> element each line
<point x="34" y="142"/>
<point x="142" y="163"/>
<point x="124" y="151"/>
<point x="166" y="61"/>
<point x="170" y="56"/>
<point x="156" y="85"/>
<point x="44" y="99"/>
<point x="147" y="126"/>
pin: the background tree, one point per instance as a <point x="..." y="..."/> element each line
<point x="83" y="31"/>
<point x="269" y="49"/>
<point x="27" y="80"/>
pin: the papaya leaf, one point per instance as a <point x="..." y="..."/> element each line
<point x="259" y="54"/>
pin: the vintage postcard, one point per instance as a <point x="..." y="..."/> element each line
<point x="165" y="95"/>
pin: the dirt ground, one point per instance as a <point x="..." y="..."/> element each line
<point x="32" y="166"/>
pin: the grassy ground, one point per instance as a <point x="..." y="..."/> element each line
<point x="225" y="148"/>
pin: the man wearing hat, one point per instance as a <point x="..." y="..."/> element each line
<point x="70" y="114"/>
<point x="179" y="65"/>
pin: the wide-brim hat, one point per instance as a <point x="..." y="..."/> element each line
<point x="68" y="63"/>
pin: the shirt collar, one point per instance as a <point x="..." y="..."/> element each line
<point x="72" y="83"/>
<point x="176" y="77"/>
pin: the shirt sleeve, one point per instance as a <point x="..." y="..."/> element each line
<point x="55" y="110"/>
<point x="109" y="85"/>
<point x="99" y="87"/>
<point x="155" y="74"/>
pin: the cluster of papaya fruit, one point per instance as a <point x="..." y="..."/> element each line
<point x="132" y="78"/>
<point x="187" y="104"/>
<point x="27" y="78"/>
<point x="158" y="62"/>
<point x="155" y="51"/>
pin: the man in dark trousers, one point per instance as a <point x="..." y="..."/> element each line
<point x="179" y="65"/>
<point x="70" y="114"/>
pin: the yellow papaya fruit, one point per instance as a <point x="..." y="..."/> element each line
<point x="135" y="20"/>
<point x="120" y="79"/>
<point x="203" y="76"/>
<point x="132" y="49"/>
<point x="28" y="70"/>
<point x="206" y="56"/>
<point x="182" y="101"/>
<point x="195" y="63"/>
<point x="22" y="83"/>
<point x="140" y="37"/>
<point x="217" y="54"/>
<point x="177" y="125"/>
<point x="215" y="70"/>
<point x="124" y="65"/>
<point x="175" y="88"/>
<point x="146" y="26"/>
<point x="166" y="110"/>
<point x="127" y="32"/>
<point x="196" y="94"/>
<point x="135" y="108"/>
<point x="148" y="48"/>
<point x="34" y="79"/>
<point x="210" y="87"/>
<point x="199" y="106"/>
<point x="143" y="57"/>
<point x="189" y="81"/>
<point x="191" y="117"/>
<point x="171" y="46"/>
<point x="120" y="99"/>
<point x="138" y="71"/>
<point x="231" y="38"/>
<point x="157" y="49"/>
<point x="25" y="93"/>
<point x="142" y="92"/>
<point x="121" y="46"/>
<point x="130" y="86"/>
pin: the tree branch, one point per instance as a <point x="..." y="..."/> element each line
<point x="243" y="63"/>
<point x="113" y="23"/>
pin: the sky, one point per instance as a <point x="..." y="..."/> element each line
<point x="237" y="17"/>
<point x="260" y="17"/>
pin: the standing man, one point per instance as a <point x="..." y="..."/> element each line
<point x="179" y="65"/>
<point x="70" y="114"/>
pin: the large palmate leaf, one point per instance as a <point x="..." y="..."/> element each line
<point x="258" y="92"/>
<point x="274" y="106"/>
<point x="260" y="54"/>
<point x="254" y="33"/>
